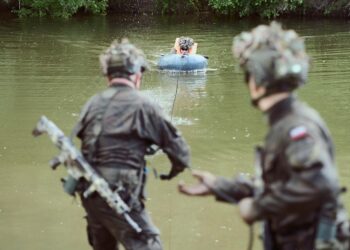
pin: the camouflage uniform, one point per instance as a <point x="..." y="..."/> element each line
<point x="116" y="127"/>
<point x="297" y="195"/>
<point x="299" y="176"/>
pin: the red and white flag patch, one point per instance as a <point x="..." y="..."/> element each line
<point x="298" y="133"/>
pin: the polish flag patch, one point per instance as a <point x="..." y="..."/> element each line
<point x="298" y="133"/>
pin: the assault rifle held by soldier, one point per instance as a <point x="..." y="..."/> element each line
<point x="79" y="169"/>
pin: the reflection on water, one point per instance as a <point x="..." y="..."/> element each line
<point x="50" y="67"/>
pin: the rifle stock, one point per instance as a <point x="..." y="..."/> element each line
<point x="78" y="168"/>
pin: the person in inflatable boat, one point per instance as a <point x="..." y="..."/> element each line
<point x="184" y="45"/>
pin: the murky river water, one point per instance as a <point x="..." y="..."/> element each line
<point x="51" y="67"/>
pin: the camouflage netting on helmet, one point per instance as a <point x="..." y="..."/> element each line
<point x="275" y="57"/>
<point x="185" y="43"/>
<point x="122" y="60"/>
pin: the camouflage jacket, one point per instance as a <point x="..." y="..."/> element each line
<point x="298" y="171"/>
<point x="117" y="126"/>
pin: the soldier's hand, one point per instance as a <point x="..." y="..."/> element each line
<point x="165" y="177"/>
<point x="203" y="187"/>
<point x="247" y="210"/>
<point x="173" y="172"/>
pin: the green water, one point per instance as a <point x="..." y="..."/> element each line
<point x="51" y="67"/>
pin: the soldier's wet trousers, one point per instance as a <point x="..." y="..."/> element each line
<point x="305" y="244"/>
<point x="107" y="228"/>
<point x="302" y="239"/>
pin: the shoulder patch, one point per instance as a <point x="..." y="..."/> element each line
<point x="298" y="133"/>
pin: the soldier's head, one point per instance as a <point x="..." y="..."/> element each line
<point x="185" y="44"/>
<point x="122" y="60"/>
<point x="272" y="58"/>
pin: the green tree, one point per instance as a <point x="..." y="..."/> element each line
<point x="264" y="8"/>
<point x="59" y="8"/>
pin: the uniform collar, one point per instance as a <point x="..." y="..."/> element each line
<point x="280" y="109"/>
<point x="121" y="86"/>
<point x="122" y="82"/>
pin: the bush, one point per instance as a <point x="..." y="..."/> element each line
<point x="264" y="8"/>
<point x="59" y="8"/>
<point x="180" y="6"/>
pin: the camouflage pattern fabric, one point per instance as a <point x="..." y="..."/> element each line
<point x="123" y="58"/>
<point x="116" y="127"/>
<point x="106" y="229"/>
<point x="272" y="55"/>
<point x="299" y="178"/>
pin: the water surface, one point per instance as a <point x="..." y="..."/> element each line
<point x="50" y="67"/>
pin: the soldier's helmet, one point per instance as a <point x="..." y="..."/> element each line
<point x="185" y="43"/>
<point x="123" y="59"/>
<point x="275" y="57"/>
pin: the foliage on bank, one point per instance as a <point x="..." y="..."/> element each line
<point x="263" y="8"/>
<point x="240" y="8"/>
<point x="57" y="8"/>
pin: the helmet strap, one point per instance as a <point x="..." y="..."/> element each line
<point x="275" y="96"/>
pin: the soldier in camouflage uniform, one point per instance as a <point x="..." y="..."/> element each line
<point x="117" y="128"/>
<point x="297" y="192"/>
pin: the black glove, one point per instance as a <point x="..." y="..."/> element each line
<point x="173" y="172"/>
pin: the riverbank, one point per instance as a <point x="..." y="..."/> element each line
<point x="240" y="8"/>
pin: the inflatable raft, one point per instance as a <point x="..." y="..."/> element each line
<point x="182" y="62"/>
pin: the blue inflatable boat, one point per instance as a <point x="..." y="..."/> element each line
<point x="182" y="62"/>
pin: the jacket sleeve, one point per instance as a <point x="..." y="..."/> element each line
<point x="153" y="126"/>
<point x="312" y="176"/>
<point x="232" y="190"/>
<point x="77" y="129"/>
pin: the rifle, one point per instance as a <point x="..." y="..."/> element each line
<point x="79" y="169"/>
